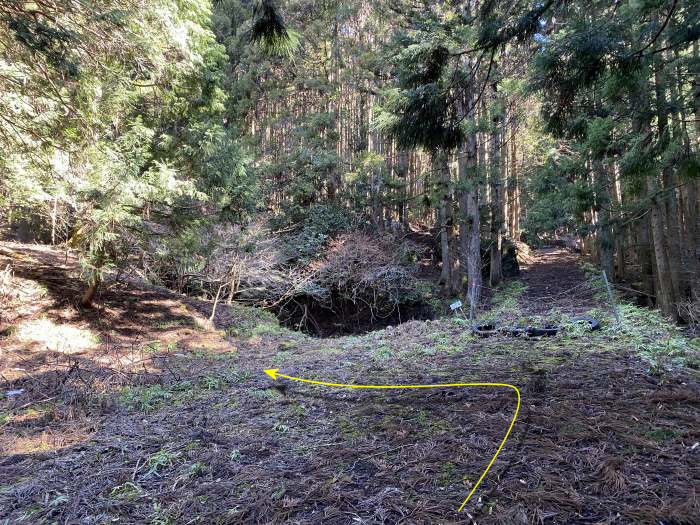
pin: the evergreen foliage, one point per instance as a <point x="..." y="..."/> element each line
<point x="142" y="132"/>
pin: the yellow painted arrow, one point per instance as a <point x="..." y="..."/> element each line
<point x="273" y="373"/>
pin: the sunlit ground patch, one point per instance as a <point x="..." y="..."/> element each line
<point x="57" y="337"/>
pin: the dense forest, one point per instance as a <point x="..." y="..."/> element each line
<point x="464" y="195"/>
<point x="251" y="150"/>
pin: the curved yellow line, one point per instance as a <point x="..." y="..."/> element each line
<point x="512" y="423"/>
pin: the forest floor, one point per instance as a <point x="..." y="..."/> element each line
<point x="137" y="411"/>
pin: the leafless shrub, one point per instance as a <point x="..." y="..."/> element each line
<point x="367" y="270"/>
<point x="253" y="264"/>
<point x="690" y="312"/>
<point x="257" y="266"/>
<point x="296" y="271"/>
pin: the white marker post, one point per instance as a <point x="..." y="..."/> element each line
<point x="457" y="305"/>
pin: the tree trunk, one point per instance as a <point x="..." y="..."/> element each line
<point x="693" y="191"/>
<point x="375" y="179"/>
<point x="665" y="298"/>
<point x="441" y="167"/>
<point x="496" y="193"/>
<point x="604" y="241"/>
<point x="470" y="241"/>
<point x="54" y="215"/>
<point x="619" y="231"/>
<point x="469" y="224"/>
<point x="89" y="294"/>
<point x="513" y="193"/>
<point x="402" y="175"/>
<point x="692" y="237"/>
<point x="665" y="295"/>
<point x="645" y="259"/>
<point x="670" y="201"/>
<point x="687" y="207"/>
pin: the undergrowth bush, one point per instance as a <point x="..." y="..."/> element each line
<point x="322" y="223"/>
<point x="643" y="330"/>
<point x="318" y="270"/>
<point x="370" y="271"/>
<point x="690" y="312"/>
<point x="652" y="336"/>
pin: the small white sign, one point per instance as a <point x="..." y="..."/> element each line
<point x="456" y="304"/>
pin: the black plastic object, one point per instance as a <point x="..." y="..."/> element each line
<point x="484" y="330"/>
<point x="514" y="331"/>
<point x="548" y="330"/>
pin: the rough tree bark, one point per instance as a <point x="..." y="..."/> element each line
<point x="89" y="295"/>
<point x="514" y="188"/>
<point x="620" y="229"/>
<point x="604" y="241"/>
<point x="441" y="168"/>
<point x="665" y="296"/>
<point x="375" y="179"/>
<point x="645" y="258"/>
<point x="496" y="194"/>
<point x="402" y="175"/>
<point x="693" y="191"/>
<point x="470" y="242"/>
<point x="668" y="197"/>
<point x="470" y="221"/>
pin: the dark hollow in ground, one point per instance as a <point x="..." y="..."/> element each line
<point x="346" y="318"/>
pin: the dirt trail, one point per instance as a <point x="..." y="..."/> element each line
<point x="555" y="280"/>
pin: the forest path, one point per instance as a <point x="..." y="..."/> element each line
<point x="555" y="280"/>
<point x="136" y="411"/>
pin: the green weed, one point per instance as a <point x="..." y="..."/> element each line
<point x="268" y="329"/>
<point x="249" y="322"/>
<point x="350" y="428"/>
<point x="504" y="304"/>
<point x="59" y="500"/>
<point x="446" y="475"/>
<point x="152" y="347"/>
<point x="278" y="494"/>
<point x="145" y="398"/>
<point x="421" y="418"/>
<point x="382" y="353"/>
<point x="160" y="516"/>
<point x="29" y="513"/>
<point x="652" y="336"/>
<point x="240" y="376"/>
<point x="196" y="469"/>
<point x="265" y="393"/>
<point x="128" y="491"/>
<point x="213" y="382"/>
<point x="661" y="434"/>
<point x="298" y="410"/>
<point x="160" y="460"/>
